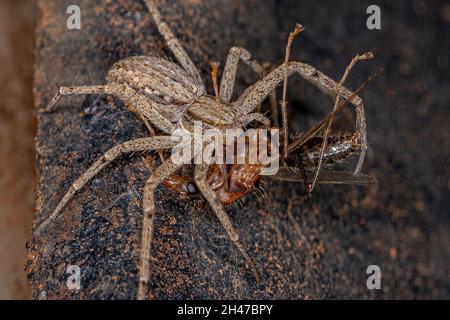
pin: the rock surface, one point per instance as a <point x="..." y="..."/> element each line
<point x="306" y="249"/>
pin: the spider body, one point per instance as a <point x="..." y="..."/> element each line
<point x="170" y="90"/>
<point x="168" y="96"/>
<point x="206" y="108"/>
<point x="167" y="86"/>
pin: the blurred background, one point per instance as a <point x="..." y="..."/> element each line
<point x="17" y="129"/>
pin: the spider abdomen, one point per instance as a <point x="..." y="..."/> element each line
<point x="167" y="86"/>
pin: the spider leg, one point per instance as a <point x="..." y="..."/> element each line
<point x="229" y="74"/>
<point x="138" y="103"/>
<point x="201" y="172"/>
<point x="174" y="44"/>
<point x="160" y="174"/>
<point x="255" y="116"/>
<point x="274" y="108"/>
<point x="261" y="89"/>
<point x="365" y="56"/>
<point x="150" y="129"/>
<point x="142" y="144"/>
<point x="66" y="91"/>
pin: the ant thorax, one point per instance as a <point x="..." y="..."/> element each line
<point x="340" y="147"/>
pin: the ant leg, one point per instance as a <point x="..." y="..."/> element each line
<point x="201" y="173"/>
<point x="174" y="44"/>
<point x="256" y="116"/>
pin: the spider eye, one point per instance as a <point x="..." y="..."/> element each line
<point x="191" y="188"/>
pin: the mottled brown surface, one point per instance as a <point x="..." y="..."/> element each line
<point x="17" y="129"/>
<point x="318" y="249"/>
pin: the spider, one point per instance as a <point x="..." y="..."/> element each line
<point x="167" y="96"/>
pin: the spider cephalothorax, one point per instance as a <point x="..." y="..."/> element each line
<point x="168" y="97"/>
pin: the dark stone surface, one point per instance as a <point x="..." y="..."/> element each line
<point x="319" y="249"/>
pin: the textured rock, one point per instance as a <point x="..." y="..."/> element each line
<point x="317" y="249"/>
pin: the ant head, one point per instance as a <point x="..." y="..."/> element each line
<point x="184" y="187"/>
